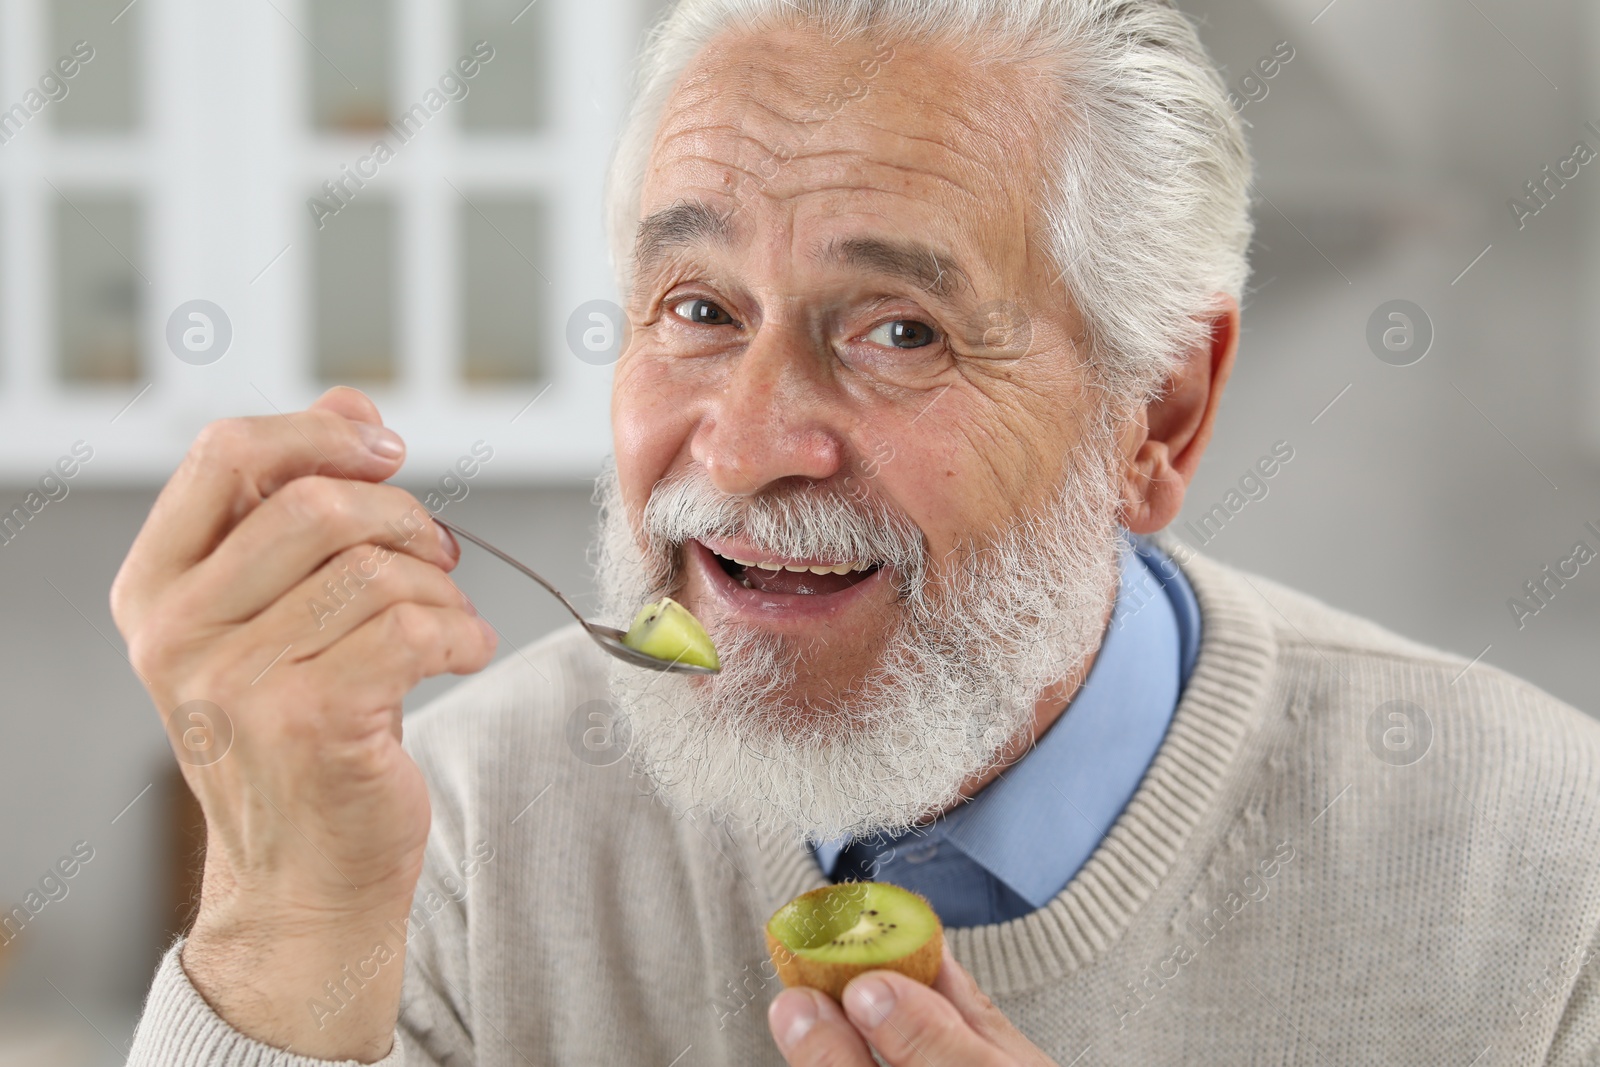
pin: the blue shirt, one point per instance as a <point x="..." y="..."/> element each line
<point x="1020" y="840"/>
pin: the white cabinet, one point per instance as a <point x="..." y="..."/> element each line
<point x="399" y="194"/>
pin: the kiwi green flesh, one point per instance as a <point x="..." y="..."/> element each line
<point x="859" y="922"/>
<point x="667" y="630"/>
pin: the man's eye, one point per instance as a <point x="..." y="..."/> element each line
<point x="903" y="333"/>
<point x="702" y="312"/>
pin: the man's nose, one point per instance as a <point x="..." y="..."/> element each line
<point x="774" y="418"/>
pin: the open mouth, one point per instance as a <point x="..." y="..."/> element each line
<point x="797" y="578"/>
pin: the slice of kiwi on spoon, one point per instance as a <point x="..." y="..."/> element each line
<point x="667" y="631"/>
<point x="826" y="937"/>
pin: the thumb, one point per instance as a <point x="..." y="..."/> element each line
<point x="353" y="404"/>
<point x="911" y="1025"/>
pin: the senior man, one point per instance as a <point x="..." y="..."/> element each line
<point x="932" y="306"/>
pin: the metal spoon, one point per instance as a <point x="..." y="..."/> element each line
<point x="607" y="637"/>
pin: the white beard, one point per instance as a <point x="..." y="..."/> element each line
<point x="957" y="681"/>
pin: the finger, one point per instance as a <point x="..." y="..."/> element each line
<point x="959" y="988"/>
<point x="911" y="1024"/>
<point x="233" y="465"/>
<point x="297" y="530"/>
<point x="353" y="404"/>
<point x="380" y="661"/>
<point x="344" y="593"/>
<point x="811" y="1031"/>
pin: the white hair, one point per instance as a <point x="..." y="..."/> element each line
<point x="1146" y="199"/>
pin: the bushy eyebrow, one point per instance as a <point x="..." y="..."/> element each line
<point x="691" y="222"/>
<point x="686" y="222"/>
<point x="922" y="265"/>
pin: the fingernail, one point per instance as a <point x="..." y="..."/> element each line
<point x="488" y="631"/>
<point x="452" y="547"/>
<point x="793" y="1016"/>
<point x="868" y="1001"/>
<point x="467" y="603"/>
<point x="380" y="440"/>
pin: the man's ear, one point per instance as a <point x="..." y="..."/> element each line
<point x="1166" y="437"/>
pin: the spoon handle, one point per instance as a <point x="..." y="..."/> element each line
<point x="481" y="543"/>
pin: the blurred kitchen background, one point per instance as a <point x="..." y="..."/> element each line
<point x="185" y="159"/>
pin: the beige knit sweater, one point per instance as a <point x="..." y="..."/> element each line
<point x="1308" y="874"/>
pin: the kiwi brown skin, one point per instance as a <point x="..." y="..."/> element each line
<point x="793" y="969"/>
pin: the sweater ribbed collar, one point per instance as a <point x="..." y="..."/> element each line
<point x="1221" y="705"/>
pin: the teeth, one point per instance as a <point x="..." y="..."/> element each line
<point x="840" y="568"/>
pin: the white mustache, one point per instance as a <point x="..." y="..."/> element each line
<point x="819" y="523"/>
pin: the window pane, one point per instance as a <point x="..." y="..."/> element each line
<point x="509" y="93"/>
<point x="349" y="60"/>
<point x="353" y="280"/>
<point x="506" y="296"/>
<point x="103" y="92"/>
<point x="99" y="288"/>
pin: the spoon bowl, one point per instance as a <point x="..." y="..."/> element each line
<point x="610" y="639"/>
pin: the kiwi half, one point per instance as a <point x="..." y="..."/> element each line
<point x="826" y="937"/>
<point x="666" y="630"/>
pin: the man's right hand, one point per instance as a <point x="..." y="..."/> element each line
<point x="280" y="583"/>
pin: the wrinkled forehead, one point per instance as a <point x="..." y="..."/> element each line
<point x="791" y="135"/>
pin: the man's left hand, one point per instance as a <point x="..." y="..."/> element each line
<point x="952" y="1024"/>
